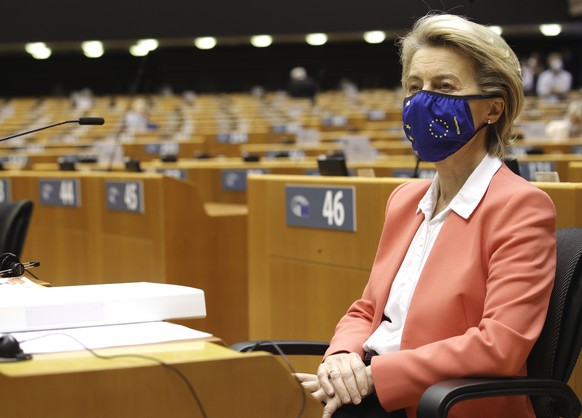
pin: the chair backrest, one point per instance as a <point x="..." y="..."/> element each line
<point x="556" y="351"/>
<point x="14" y="219"/>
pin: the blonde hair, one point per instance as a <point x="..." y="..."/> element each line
<point x="497" y="69"/>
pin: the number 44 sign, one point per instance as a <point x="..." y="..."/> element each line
<point x="59" y="192"/>
<point x="321" y="207"/>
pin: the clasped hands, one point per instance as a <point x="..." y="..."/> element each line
<point x="341" y="379"/>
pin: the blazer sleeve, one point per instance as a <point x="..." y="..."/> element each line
<point x="520" y="242"/>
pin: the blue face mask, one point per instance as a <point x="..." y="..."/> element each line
<point x="438" y="125"/>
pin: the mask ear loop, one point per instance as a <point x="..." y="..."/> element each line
<point x="481" y="127"/>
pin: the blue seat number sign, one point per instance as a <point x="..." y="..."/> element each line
<point x="124" y="196"/>
<point x="321" y="207"/>
<point x="59" y="192"/>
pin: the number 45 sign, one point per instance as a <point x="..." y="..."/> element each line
<point x="124" y="196"/>
<point x="321" y="207"/>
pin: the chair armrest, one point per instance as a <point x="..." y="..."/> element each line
<point x="440" y="397"/>
<point x="288" y="347"/>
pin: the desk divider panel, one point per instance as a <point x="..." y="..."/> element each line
<point x="176" y="239"/>
<point x="295" y="273"/>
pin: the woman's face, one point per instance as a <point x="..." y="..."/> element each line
<point x="443" y="70"/>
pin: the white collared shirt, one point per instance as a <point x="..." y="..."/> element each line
<point x="387" y="337"/>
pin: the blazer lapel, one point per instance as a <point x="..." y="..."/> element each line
<point x="391" y="253"/>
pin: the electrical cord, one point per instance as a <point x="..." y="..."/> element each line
<point x="32" y="274"/>
<point x="171" y="367"/>
<point x="289" y="366"/>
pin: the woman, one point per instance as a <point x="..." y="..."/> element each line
<point x="465" y="265"/>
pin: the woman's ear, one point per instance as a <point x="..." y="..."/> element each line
<point x="497" y="106"/>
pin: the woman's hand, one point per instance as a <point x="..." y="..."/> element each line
<point x="311" y="383"/>
<point x="345" y="375"/>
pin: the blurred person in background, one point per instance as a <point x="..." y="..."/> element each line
<point x="568" y="128"/>
<point x="555" y="82"/>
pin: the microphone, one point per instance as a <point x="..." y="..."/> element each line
<point x="80" y="121"/>
<point x="91" y="121"/>
<point x="10" y="265"/>
<point x="18" y="269"/>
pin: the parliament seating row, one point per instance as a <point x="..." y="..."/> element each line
<point x="224" y="121"/>
<point x="224" y="180"/>
<point x="152" y="149"/>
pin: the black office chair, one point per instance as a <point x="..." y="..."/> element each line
<point x="550" y="363"/>
<point x="552" y="359"/>
<point x="332" y="165"/>
<point x="14" y="220"/>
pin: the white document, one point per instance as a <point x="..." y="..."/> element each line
<point x="78" y="339"/>
<point x="34" y="309"/>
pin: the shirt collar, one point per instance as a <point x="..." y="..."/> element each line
<point x="467" y="199"/>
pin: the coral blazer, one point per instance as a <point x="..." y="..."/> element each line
<point x="480" y="302"/>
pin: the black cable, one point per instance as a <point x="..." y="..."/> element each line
<point x="171" y="367"/>
<point x="32" y="274"/>
<point x="290" y="367"/>
<point x="416" y="173"/>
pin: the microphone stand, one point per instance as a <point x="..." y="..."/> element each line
<point x="132" y="92"/>
<point x="80" y="121"/>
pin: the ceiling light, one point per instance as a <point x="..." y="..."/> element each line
<point x="143" y="47"/>
<point x="496" y="29"/>
<point x="551" y="29"/>
<point x="316" y="39"/>
<point x="138" y="50"/>
<point x="93" y="49"/>
<point x="149" y="44"/>
<point x="38" y="50"/>
<point x="374" y="37"/>
<point x="261" y="41"/>
<point x="205" y="42"/>
<point x="42" y="55"/>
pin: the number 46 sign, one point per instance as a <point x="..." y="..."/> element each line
<point x="321" y="207"/>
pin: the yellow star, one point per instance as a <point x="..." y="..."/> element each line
<point x="411" y="138"/>
<point x="407" y="126"/>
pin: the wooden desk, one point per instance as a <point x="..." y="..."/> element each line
<point x="547" y="162"/>
<point x="207" y="174"/>
<point x="176" y="239"/>
<point x="561" y="147"/>
<point x="146" y="151"/>
<point x="289" y="264"/>
<point x="575" y="171"/>
<point x="228" y="384"/>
